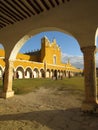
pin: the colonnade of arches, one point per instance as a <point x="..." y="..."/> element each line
<point x="20" y="73"/>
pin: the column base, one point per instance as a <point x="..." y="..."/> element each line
<point x="88" y="107"/>
<point x="7" y="94"/>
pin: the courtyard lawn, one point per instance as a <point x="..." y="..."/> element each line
<point x="22" y="86"/>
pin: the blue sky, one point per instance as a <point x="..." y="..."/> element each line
<point x="69" y="46"/>
<point x="67" y="43"/>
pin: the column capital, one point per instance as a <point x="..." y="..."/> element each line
<point x="88" y="49"/>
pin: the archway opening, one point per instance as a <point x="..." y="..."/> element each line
<point x="19" y="72"/>
<point x="36" y="73"/>
<point x="48" y="73"/>
<point x="28" y="73"/>
<point x="65" y="48"/>
<point x="42" y="73"/>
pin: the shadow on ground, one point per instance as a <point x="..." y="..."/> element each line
<point x="71" y="119"/>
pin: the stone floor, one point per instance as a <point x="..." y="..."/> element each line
<point x="46" y="110"/>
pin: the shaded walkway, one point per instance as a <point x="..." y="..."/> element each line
<point x="70" y="119"/>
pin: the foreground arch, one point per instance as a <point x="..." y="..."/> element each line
<point x="61" y="18"/>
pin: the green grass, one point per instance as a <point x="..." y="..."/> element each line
<point x="22" y="86"/>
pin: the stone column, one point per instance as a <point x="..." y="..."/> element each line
<point x="8" y="77"/>
<point x="90" y="100"/>
<point x="23" y="74"/>
<point x="45" y="68"/>
<point x="14" y="74"/>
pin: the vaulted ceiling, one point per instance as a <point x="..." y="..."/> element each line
<point x="12" y="11"/>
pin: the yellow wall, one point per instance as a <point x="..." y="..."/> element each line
<point x="2" y="53"/>
<point x="49" y="50"/>
<point x="23" y="57"/>
<point x="2" y="63"/>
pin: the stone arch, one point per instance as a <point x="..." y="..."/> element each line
<point x="36" y="72"/>
<point x="28" y="72"/>
<point x="71" y="73"/>
<point x="20" y="72"/>
<point x="61" y="73"/>
<point x="64" y="73"/>
<point x="17" y="43"/>
<point x="48" y="73"/>
<point x="55" y="74"/>
<point x="87" y="36"/>
<point x="42" y="73"/>
<point x="58" y="73"/>
<point x="52" y="73"/>
<point x="67" y="73"/>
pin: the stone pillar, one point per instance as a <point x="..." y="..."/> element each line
<point x="23" y="74"/>
<point x="14" y="74"/>
<point x="90" y="100"/>
<point x="8" y="77"/>
<point x="45" y="68"/>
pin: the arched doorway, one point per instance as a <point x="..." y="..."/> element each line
<point x="55" y="74"/>
<point x="48" y="73"/>
<point x="19" y="72"/>
<point x="42" y="73"/>
<point x="52" y="73"/>
<point x="28" y="72"/>
<point x="36" y="73"/>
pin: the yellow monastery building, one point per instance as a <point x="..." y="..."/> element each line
<point x="45" y="62"/>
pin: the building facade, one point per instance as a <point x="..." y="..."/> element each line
<point x="43" y="63"/>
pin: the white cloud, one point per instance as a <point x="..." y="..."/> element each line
<point x="76" y="61"/>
